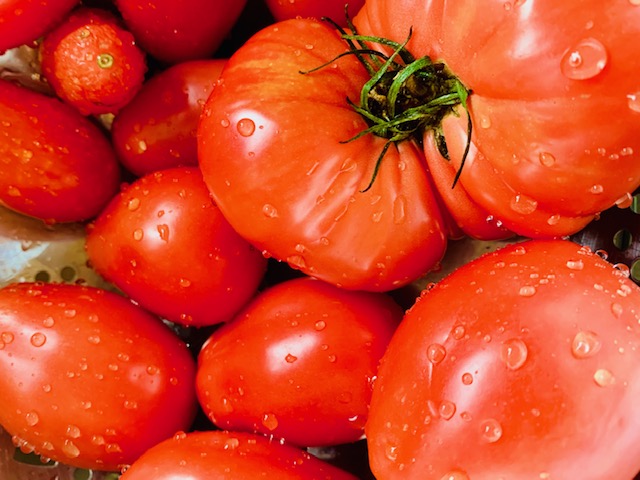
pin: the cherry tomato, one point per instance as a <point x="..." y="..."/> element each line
<point x="157" y="129"/>
<point x="521" y="364"/>
<point x="297" y="362"/>
<point x="88" y="378"/>
<point x="57" y="165"/>
<point x="164" y="243"/>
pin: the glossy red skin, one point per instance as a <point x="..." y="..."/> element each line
<point x="289" y="184"/>
<point x="174" y="32"/>
<point x="165" y="244"/>
<point x="220" y="454"/>
<point x="157" y="129"/>
<point x="88" y="378"/>
<point x="524" y="107"/>
<point x="71" y="53"/>
<point x="24" y="21"/>
<point x="57" y="165"/>
<point x="333" y="9"/>
<point x="510" y="396"/>
<point x="297" y="363"/>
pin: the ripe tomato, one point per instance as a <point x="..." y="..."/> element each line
<point x="177" y="31"/>
<point x="88" y="378"/>
<point x="333" y="9"/>
<point x="157" y="129"/>
<point x="92" y="62"/>
<point x="164" y="243"/>
<point x="297" y="362"/>
<point x="57" y="165"/>
<point x="555" y="110"/>
<point x="521" y="364"/>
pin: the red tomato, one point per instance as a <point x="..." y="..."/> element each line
<point x="218" y="454"/>
<point x="88" y="378"/>
<point x="297" y="363"/>
<point x="92" y="62"/>
<point x="57" y="165"/>
<point x="333" y="9"/>
<point x="555" y="111"/>
<point x="177" y="31"/>
<point x="23" y="21"/>
<point x="164" y="243"/>
<point x="157" y="129"/>
<point x="272" y="153"/>
<point x="521" y="364"/>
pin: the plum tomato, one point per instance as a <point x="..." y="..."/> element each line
<point x="166" y="245"/>
<point x="157" y="129"/>
<point x="57" y="165"/>
<point x="87" y="377"/>
<point x="298" y="362"/>
<point x="523" y="363"/>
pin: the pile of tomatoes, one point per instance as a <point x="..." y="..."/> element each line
<point x="270" y="193"/>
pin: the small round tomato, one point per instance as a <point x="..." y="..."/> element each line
<point x="214" y="454"/>
<point x="157" y="129"/>
<point x="297" y="362"/>
<point x="165" y="244"/>
<point x="88" y="378"/>
<point x="521" y="364"/>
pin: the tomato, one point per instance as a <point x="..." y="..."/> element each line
<point x="272" y="152"/>
<point x="173" y="32"/>
<point x="157" y="129"/>
<point x="88" y="378"/>
<point x="23" y="21"/>
<point x="555" y="110"/>
<point x="333" y="9"/>
<point x="215" y="454"/>
<point x="521" y="364"/>
<point x="57" y="165"/>
<point x="92" y="62"/>
<point x="164" y="243"/>
<point x="297" y="363"/>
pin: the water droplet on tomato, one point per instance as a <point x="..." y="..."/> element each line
<point x="184" y="282"/>
<point x="130" y="404"/>
<point x="617" y="309"/>
<point x="584" y="60"/>
<point x="467" y="378"/>
<point x="514" y="353"/>
<point x="48" y="322"/>
<point x="455" y="475"/>
<point x="332" y="358"/>
<point x="633" y="101"/>
<point x="491" y="430"/>
<point x="138" y="233"/>
<point x="547" y="159"/>
<point x="246" y="127"/>
<point x="94" y="339"/>
<point x="596" y="189"/>
<point x="38" y="339"/>
<point x="133" y="204"/>
<point x="527" y="291"/>
<point x="458" y="332"/>
<point x="152" y="369"/>
<point x="269" y="210"/>
<point x="575" y="264"/>
<point x="73" y="431"/>
<point x="585" y="344"/>
<point x="603" y="377"/>
<point x="523" y="204"/>
<point x="447" y="410"/>
<point x="290" y="358"/>
<point x="485" y="122"/>
<point x="436" y="353"/>
<point x="399" y="209"/>
<point x="270" y="421"/>
<point x="32" y="419"/>
<point x="6" y="337"/>
<point x="296" y="262"/>
<point x="163" y="231"/>
<point x="320" y="325"/>
<point x="391" y="452"/>
<point x="225" y="123"/>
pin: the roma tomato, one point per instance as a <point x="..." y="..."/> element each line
<point x="164" y="243"/>
<point x="521" y="364"/>
<point x="273" y="153"/>
<point x="206" y="455"/>
<point x="333" y="9"/>
<point x="297" y="362"/>
<point x="555" y="111"/>
<point x="88" y="378"/>
<point x="57" y="165"/>
<point x="174" y="32"/>
<point x="157" y="129"/>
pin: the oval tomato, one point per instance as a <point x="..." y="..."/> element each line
<point x="88" y="378"/>
<point x="555" y="110"/>
<point x="157" y="129"/>
<point x="206" y="455"/>
<point x="164" y="243"/>
<point x="521" y="364"/>
<point x="297" y="362"/>
<point x="57" y="165"/>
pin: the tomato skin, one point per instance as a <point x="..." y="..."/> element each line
<point x="312" y="212"/>
<point x="174" y="32"/>
<point x="58" y="166"/>
<point x="157" y="129"/>
<point x="572" y="155"/>
<point x="213" y="454"/>
<point x="333" y="9"/>
<point x="35" y="19"/>
<point x="268" y="369"/>
<point x="92" y="62"/>
<point x="88" y="378"/>
<point x="520" y="364"/>
<point x="164" y="243"/>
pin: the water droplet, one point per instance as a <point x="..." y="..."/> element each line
<point x="523" y="204"/>
<point x="467" y="378"/>
<point x="455" y="475"/>
<point x="527" y="291"/>
<point x="458" y="332"/>
<point x="6" y="337"/>
<point x="32" y="419"/>
<point x="596" y="189"/>
<point x="633" y="100"/>
<point x="391" y="452"/>
<point x="436" y="353"/>
<point x="585" y="344"/>
<point x="48" y="322"/>
<point x="133" y="204"/>
<point x="38" y="339"/>
<point x="130" y="404"/>
<point x="225" y="123"/>
<point x="514" y="353"/>
<point x="485" y="122"/>
<point x="94" y="339"/>
<point x="332" y="358"/>
<point x="399" y="209"/>
<point x="491" y="430"/>
<point x="246" y="127"/>
<point x="617" y="309"/>
<point x="290" y="358"/>
<point x="152" y="370"/>
<point x="184" y="282"/>
<point x="163" y="231"/>
<point x="547" y="159"/>
<point x="575" y="264"/>
<point x="447" y="410"/>
<point x="70" y="450"/>
<point x="269" y="211"/>
<point x="603" y="377"/>
<point x="73" y="431"/>
<point x="320" y="325"/>
<point x="296" y="262"/>
<point x="584" y="60"/>
<point x="138" y="233"/>
<point x="270" y="421"/>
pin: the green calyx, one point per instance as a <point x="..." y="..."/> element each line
<point x="405" y="96"/>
